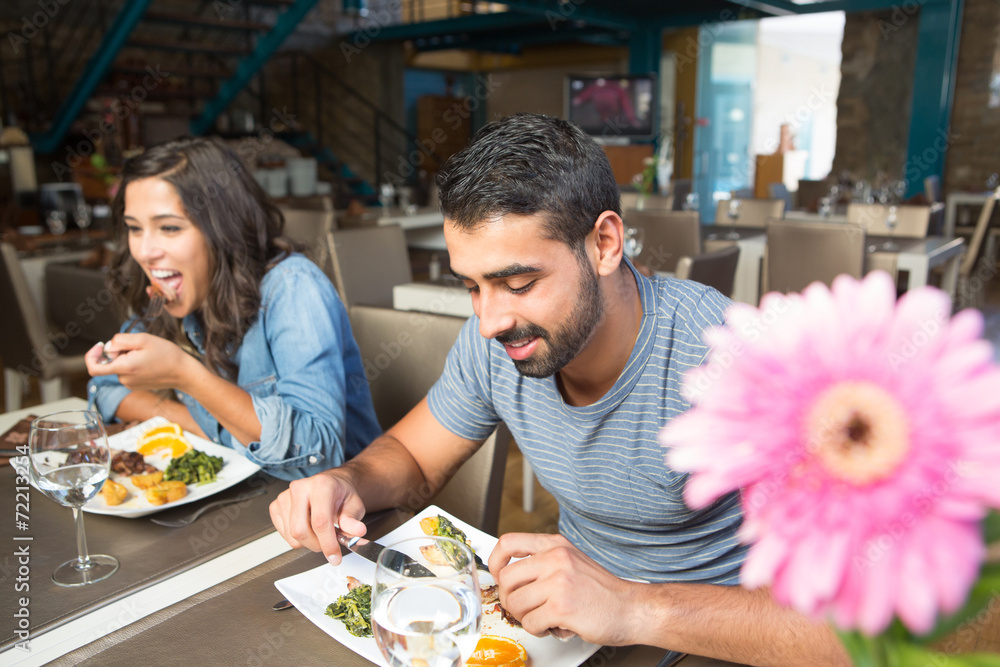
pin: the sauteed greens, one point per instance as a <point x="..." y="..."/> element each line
<point x="355" y="610"/>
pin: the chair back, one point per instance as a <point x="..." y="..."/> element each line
<point x="404" y="354"/>
<point x="630" y="202"/>
<point x="368" y="262"/>
<point x="23" y="330"/>
<point x="308" y="228"/>
<point x="810" y="192"/>
<point x="667" y="236"/>
<point x="741" y="193"/>
<point x="753" y="212"/>
<point x="715" y="269"/>
<point x="912" y="222"/>
<point x="780" y="191"/>
<point x="977" y="245"/>
<point x="800" y="253"/>
<point x="680" y="191"/>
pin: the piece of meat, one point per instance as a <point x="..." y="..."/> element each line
<point x="490" y="594"/>
<point x="130" y="463"/>
<point x="352" y="583"/>
<point x="506" y="615"/>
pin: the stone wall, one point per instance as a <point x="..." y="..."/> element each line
<point x="975" y="127"/>
<point x="876" y="88"/>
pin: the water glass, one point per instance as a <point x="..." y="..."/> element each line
<point x="891" y="220"/>
<point x="634" y="238"/>
<point x="69" y="461"/>
<point x="733" y="213"/>
<point x="426" y="621"/>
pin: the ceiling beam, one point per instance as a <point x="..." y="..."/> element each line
<point x="556" y="11"/>
<point x="441" y="27"/>
<point x="772" y="7"/>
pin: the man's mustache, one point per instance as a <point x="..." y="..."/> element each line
<point x="527" y="331"/>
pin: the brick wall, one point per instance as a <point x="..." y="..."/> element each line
<point x="973" y="157"/>
<point x="876" y="87"/>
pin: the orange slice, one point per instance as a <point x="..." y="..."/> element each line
<point x="496" y="651"/>
<point x="158" y="430"/>
<point x="175" y="443"/>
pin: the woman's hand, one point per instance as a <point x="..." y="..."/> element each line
<point x="142" y="361"/>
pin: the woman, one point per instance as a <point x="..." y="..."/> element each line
<point x="253" y="348"/>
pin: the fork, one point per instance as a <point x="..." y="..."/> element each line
<point x="153" y="311"/>
<point x="193" y="516"/>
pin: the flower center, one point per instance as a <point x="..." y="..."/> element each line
<point x="859" y="432"/>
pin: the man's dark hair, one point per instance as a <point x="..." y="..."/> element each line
<point x="526" y="164"/>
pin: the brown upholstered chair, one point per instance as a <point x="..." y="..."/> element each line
<point x="911" y="221"/>
<point x="715" y="269"/>
<point x="800" y="253"/>
<point x="404" y="353"/>
<point x="667" y="236"/>
<point x="753" y="212"/>
<point x="309" y="227"/>
<point x="368" y="262"/>
<point x="27" y="347"/>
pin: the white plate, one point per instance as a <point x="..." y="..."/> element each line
<point x="313" y="590"/>
<point x="235" y="469"/>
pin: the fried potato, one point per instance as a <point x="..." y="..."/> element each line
<point x="148" y="480"/>
<point x="113" y="492"/>
<point x="434" y="555"/>
<point x="166" y="492"/>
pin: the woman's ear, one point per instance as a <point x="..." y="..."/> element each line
<point x="609" y="238"/>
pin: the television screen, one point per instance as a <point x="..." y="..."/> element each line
<point x="613" y="107"/>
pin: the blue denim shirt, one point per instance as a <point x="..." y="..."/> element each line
<point x="302" y="368"/>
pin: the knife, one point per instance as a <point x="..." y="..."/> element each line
<point x="395" y="560"/>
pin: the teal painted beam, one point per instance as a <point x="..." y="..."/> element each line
<point x="556" y="12"/>
<point x="130" y="14"/>
<point x="465" y="24"/>
<point x="249" y="67"/>
<point x="939" y="31"/>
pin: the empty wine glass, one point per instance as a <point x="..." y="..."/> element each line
<point x="426" y="621"/>
<point x="55" y="220"/>
<point x="82" y="218"/>
<point x="634" y="237"/>
<point x="825" y="209"/>
<point x="690" y="202"/>
<point x="69" y="462"/>
<point x="733" y="213"/>
<point x="891" y="220"/>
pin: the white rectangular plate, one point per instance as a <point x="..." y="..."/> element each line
<point x="235" y="469"/>
<point x="312" y="591"/>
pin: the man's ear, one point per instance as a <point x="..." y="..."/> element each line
<point x="609" y="239"/>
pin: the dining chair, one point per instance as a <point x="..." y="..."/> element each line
<point x="27" y="347"/>
<point x="631" y="201"/>
<point x="308" y="228"/>
<point x="753" y="212"/>
<point x="680" y="190"/>
<point x="667" y="236"/>
<point x="802" y="252"/>
<point x="976" y="255"/>
<point x="780" y="191"/>
<point x="404" y="354"/>
<point x="810" y="192"/>
<point x="912" y="222"/>
<point x="715" y="269"/>
<point x="368" y="262"/>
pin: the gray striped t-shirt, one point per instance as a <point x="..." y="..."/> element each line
<point x="619" y="502"/>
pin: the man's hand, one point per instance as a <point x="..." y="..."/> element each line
<point x="556" y="586"/>
<point x="308" y="513"/>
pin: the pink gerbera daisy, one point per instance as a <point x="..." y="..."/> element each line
<point x="865" y="437"/>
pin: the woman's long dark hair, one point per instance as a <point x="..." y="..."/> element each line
<point x="241" y="226"/>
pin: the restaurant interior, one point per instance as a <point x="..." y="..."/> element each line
<point x="759" y="146"/>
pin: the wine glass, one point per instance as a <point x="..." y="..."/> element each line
<point x="70" y="460"/>
<point x="891" y="220"/>
<point x="690" y="202"/>
<point x="634" y="237"/>
<point x="733" y="213"/>
<point x="426" y="620"/>
<point x="82" y="218"/>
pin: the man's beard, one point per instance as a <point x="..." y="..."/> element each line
<point x="568" y="341"/>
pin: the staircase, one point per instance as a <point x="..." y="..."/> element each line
<point x="121" y="72"/>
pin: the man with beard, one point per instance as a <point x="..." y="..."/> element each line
<point x="583" y="359"/>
